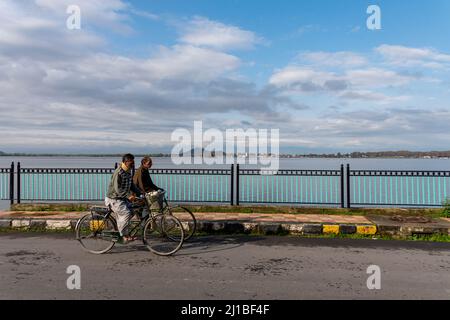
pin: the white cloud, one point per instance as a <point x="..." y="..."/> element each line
<point x="310" y="28"/>
<point x="333" y="59"/>
<point x="207" y="33"/>
<point x="190" y="62"/>
<point x="376" y="77"/>
<point x="303" y="79"/>
<point x="407" y="56"/>
<point x="377" y="97"/>
<point x="306" y="79"/>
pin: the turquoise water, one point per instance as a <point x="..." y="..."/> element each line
<point x="304" y="163"/>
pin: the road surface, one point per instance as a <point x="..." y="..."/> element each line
<point x="34" y="266"/>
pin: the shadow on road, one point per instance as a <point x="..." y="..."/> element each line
<point x="354" y="243"/>
<point x="197" y="245"/>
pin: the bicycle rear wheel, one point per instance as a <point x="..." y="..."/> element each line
<point x="96" y="233"/>
<point x="186" y="218"/>
<point x="163" y="235"/>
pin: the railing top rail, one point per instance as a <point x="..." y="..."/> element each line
<point x="111" y="170"/>
<point x="5" y="170"/>
<point x="288" y="172"/>
<point x="66" y="170"/>
<point x="401" y="173"/>
<point x="191" y="171"/>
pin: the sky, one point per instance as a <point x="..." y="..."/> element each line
<point x="136" y="71"/>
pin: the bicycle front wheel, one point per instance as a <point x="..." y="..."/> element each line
<point x="96" y="233"/>
<point x="163" y="235"/>
<point x="186" y="218"/>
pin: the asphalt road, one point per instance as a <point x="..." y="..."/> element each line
<point x="33" y="266"/>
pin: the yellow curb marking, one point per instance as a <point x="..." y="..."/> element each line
<point x="366" y="230"/>
<point x="330" y="229"/>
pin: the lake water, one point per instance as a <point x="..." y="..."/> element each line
<point x="302" y="163"/>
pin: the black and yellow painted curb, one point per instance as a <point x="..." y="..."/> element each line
<point x="244" y="227"/>
<point x="366" y="230"/>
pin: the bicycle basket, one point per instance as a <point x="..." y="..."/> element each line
<point x="156" y="200"/>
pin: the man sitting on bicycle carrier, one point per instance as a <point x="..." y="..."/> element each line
<point x="142" y="178"/>
<point x="121" y="192"/>
<point x="143" y="181"/>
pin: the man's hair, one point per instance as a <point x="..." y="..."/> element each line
<point x="146" y="159"/>
<point x="127" y="157"/>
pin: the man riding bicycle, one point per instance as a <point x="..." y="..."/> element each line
<point x="121" y="192"/>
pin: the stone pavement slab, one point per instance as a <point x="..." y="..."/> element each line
<point x="211" y="216"/>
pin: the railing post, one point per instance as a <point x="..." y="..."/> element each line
<point x="348" y="186"/>
<point x="342" y="186"/>
<point x="115" y="166"/>
<point x="232" y="186"/>
<point x="11" y="183"/>
<point x="237" y="184"/>
<point x="18" y="182"/>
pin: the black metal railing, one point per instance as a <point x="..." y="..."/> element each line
<point x="91" y="184"/>
<point x="397" y="188"/>
<point x="344" y="188"/>
<point x="7" y="183"/>
<point x="62" y="184"/>
<point x="195" y="185"/>
<point x="312" y="187"/>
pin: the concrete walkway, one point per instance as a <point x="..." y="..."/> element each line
<point x="209" y="216"/>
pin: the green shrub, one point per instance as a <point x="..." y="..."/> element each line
<point x="446" y="210"/>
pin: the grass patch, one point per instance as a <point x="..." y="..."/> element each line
<point x="426" y="212"/>
<point x="49" y="207"/>
<point x="431" y="237"/>
<point x="432" y="213"/>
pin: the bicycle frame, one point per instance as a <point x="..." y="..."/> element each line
<point x="134" y="231"/>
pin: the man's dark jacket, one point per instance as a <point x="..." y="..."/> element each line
<point x="143" y="181"/>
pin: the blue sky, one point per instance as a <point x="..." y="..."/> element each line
<point x="138" y="70"/>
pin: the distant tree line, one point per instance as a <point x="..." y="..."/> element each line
<point x="377" y="154"/>
<point x="20" y="154"/>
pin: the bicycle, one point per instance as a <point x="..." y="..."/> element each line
<point x="97" y="231"/>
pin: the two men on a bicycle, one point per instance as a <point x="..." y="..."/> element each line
<point x="124" y="188"/>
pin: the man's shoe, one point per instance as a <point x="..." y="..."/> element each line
<point x="126" y="239"/>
